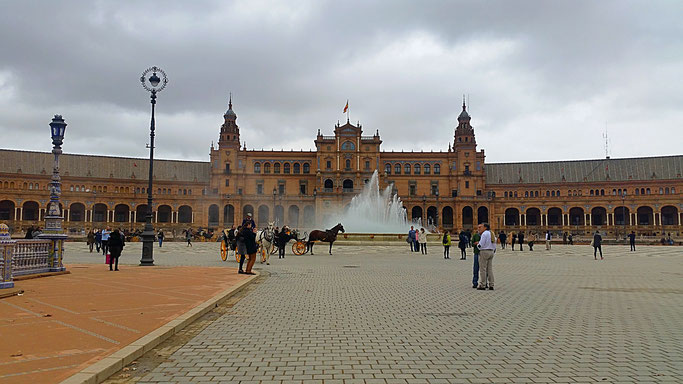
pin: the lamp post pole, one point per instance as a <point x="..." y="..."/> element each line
<point x="623" y="208"/>
<point x="424" y="209"/>
<point x="154" y="84"/>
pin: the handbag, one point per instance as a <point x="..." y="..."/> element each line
<point x="107" y="259"/>
<point x="593" y="243"/>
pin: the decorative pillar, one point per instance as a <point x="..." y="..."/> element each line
<point x="66" y="215"/>
<point x="192" y="217"/>
<point x="563" y="223"/>
<point x="588" y="216"/>
<point x="6" y="251"/>
<point x="17" y="214"/>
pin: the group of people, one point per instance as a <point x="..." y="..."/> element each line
<point x="33" y="232"/>
<point x="109" y="242"/>
<point x="417" y="240"/>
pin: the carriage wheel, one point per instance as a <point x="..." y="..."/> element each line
<point x="299" y="248"/>
<point x="237" y="257"/>
<point x="224" y="251"/>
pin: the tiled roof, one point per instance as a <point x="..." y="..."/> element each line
<point x="641" y="168"/>
<point x="36" y="163"/>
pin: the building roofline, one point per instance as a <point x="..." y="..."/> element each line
<point x="584" y="160"/>
<point x="103" y="156"/>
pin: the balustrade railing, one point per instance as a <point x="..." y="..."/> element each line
<point x="31" y="256"/>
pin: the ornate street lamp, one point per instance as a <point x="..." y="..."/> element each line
<point x="154" y="84"/>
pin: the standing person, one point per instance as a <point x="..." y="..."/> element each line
<point x="532" y="240"/>
<point x="520" y="238"/>
<point x="160" y="237"/>
<point x="250" y="245"/>
<point x="468" y="235"/>
<point x="597" y="245"/>
<point x="571" y="239"/>
<point x="188" y="237"/>
<point x="416" y="241"/>
<point x="241" y="247"/>
<point x="514" y="240"/>
<point x="98" y="240"/>
<point x="281" y="242"/>
<point x="564" y="238"/>
<point x="476" y="238"/>
<point x="411" y="238"/>
<point x="249" y="219"/>
<point x="632" y="240"/>
<point x="115" y="244"/>
<point x="423" y="241"/>
<point x="503" y="238"/>
<point x="446" y="244"/>
<point x="91" y="240"/>
<point x="487" y="249"/>
<point x="548" y="237"/>
<point x="462" y="244"/>
<point x="29" y="233"/>
<point x="105" y="240"/>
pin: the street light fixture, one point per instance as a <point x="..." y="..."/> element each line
<point x="153" y="84"/>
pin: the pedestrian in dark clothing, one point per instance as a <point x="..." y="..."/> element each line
<point x="571" y="239"/>
<point x="632" y="240"/>
<point x="248" y="219"/>
<point x="411" y="238"/>
<point x="29" y="233"/>
<point x="98" y="240"/>
<point x="503" y="238"/>
<point x="597" y="245"/>
<point x="281" y="242"/>
<point x="249" y="237"/>
<point x="160" y="237"/>
<point x="241" y="247"/>
<point x="564" y="238"/>
<point x="520" y="238"/>
<point x="475" y="268"/>
<point x="91" y="240"/>
<point x="115" y="244"/>
<point x="514" y="240"/>
<point x="462" y="244"/>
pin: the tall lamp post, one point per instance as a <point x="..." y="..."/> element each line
<point x="53" y="219"/>
<point x="623" y="208"/>
<point x="424" y="210"/>
<point x="154" y="84"/>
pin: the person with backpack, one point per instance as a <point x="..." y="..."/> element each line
<point x="446" y="241"/>
<point x="462" y="244"/>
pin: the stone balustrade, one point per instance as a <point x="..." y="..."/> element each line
<point x="28" y="257"/>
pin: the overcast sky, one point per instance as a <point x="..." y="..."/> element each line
<point x="544" y="79"/>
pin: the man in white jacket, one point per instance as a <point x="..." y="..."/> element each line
<point x="487" y="248"/>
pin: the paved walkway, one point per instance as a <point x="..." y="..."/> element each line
<point x="384" y="315"/>
<point x="62" y="324"/>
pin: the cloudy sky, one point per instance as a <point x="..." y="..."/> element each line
<point x="544" y="79"/>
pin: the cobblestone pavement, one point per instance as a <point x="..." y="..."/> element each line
<point x="385" y="315"/>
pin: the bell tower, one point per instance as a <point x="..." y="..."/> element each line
<point x="230" y="132"/>
<point x="464" y="133"/>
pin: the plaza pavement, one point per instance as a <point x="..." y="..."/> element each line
<point x="385" y="315"/>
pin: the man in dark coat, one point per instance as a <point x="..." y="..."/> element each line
<point x="116" y="244"/>
<point x="597" y="245"/>
<point x="520" y="238"/>
<point x="632" y="240"/>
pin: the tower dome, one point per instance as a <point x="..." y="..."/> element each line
<point x="230" y="114"/>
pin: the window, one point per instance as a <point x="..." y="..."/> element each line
<point x="467" y="184"/>
<point x="347" y="163"/>
<point x="552" y="193"/>
<point x="287" y="168"/>
<point x="557" y="193"/>
<point x="227" y="167"/>
<point x="515" y="193"/>
<point x="307" y="168"/>
<point x="591" y="192"/>
<point x="257" y="167"/>
<point x="506" y="194"/>
<point x="412" y="189"/>
<point x="71" y="188"/>
<point x="434" y="190"/>
<point x="297" y="168"/>
<point x="281" y="189"/>
<point x="276" y="168"/>
<point x="367" y="164"/>
<point x="387" y="168"/>
<point x="328" y="164"/>
<point x="348" y="146"/>
<point x="535" y="193"/>
<point x="478" y="165"/>
<point x="454" y="193"/>
<point x="661" y="190"/>
<point x="259" y="189"/>
<point x="428" y="169"/>
<point x="437" y="169"/>
<point x="666" y="191"/>
<point x="407" y="169"/>
<point x="648" y="191"/>
<point x="302" y="189"/>
<point x="478" y="192"/>
<point x="467" y="168"/>
<point x="602" y="192"/>
<point x="673" y="190"/>
<point x="416" y="168"/>
<point x="397" y="169"/>
<point x="526" y="193"/>
<point x="266" y="168"/>
<point x="185" y="190"/>
<point x="227" y="182"/>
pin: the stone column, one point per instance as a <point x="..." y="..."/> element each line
<point x="66" y="215"/>
<point x="6" y="251"/>
<point x="588" y="216"/>
<point x="17" y="214"/>
<point x="563" y="223"/>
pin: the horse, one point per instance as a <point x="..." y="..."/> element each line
<point x="266" y="241"/>
<point x="327" y="236"/>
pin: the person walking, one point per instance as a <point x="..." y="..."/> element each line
<point x="241" y="247"/>
<point x="105" y="240"/>
<point x="462" y="244"/>
<point x="423" y="241"/>
<point x="98" y="240"/>
<point x="548" y="237"/>
<point x="564" y="238"/>
<point x="160" y="237"/>
<point x="249" y="235"/>
<point x="514" y="240"/>
<point x="115" y="244"/>
<point x="91" y="240"/>
<point x="503" y="238"/>
<point x="476" y="238"/>
<point x="411" y="238"/>
<point x="632" y="241"/>
<point x="597" y="245"/>
<point x="520" y="239"/>
<point x="281" y="242"/>
<point x="487" y="249"/>
<point x="188" y="237"/>
<point x="532" y="240"/>
<point x="571" y="239"/>
<point x="446" y="241"/>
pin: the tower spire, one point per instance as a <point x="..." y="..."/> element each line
<point x="463" y="102"/>
<point x="230" y="102"/>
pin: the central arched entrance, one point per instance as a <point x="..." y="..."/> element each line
<point x="467" y="217"/>
<point x="482" y="215"/>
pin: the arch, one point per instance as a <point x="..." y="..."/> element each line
<point x="467" y="216"/>
<point x="247" y="209"/>
<point x="297" y="168"/>
<point x="214" y="215"/>
<point x="7" y="209"/>
<point x="533" y="217"/>
<point x="397" y="169"/>
<point x="387" y="170"/>
<point x="482" y="215"/>
<point x="309" y="216"/>
<point x="432" y="214"/>
<point x="229" y="215"/>
<point x="141" y="213"/>
<point x="512" y="216"/>
<point x="644" y="215"/>
<point x="554" y="216"/>
<point x="100" y="213"/>
<point x="427" y="168"/>
<point x="576" y="216"/>
<point x="287" y="168"/>
<point x="621" y="215"/>
<point x="266" y="167"/>
<point x="669" y="215"/>
<point x="263" y="216"/>
<point x="598" y="216"/>
<point x="437" y="169"/>
<point x="30" y="210"/>
<point x="307" y="168"/>
<point x="348" y="146"/>
<point x="329" y="185"/>
<point x="276" y="168"/>
<point x="121" y="213"/>
<point x="257" y="167"/>
<point x="293" y="216"/>
<point x="406" y="169"/>
<point x="164" y="214"/>
<point x="279" y="215"/>
<point x="184" y="214"/>
<point x="347" y="185"/>
<point x="416" y="169"/>
<point x="416" y="213"/>
<point x="447" y="217"/>
<point x="77" y="212"/>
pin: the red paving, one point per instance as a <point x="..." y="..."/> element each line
<point x="62" y="324"/>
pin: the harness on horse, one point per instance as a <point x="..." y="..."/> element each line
<point x="267" y="235"/>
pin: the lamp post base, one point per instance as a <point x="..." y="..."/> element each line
<point x="147" y="247"/>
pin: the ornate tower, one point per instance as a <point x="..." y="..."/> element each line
<point x="230" y="132"/>
<point x="464" y="133"/>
